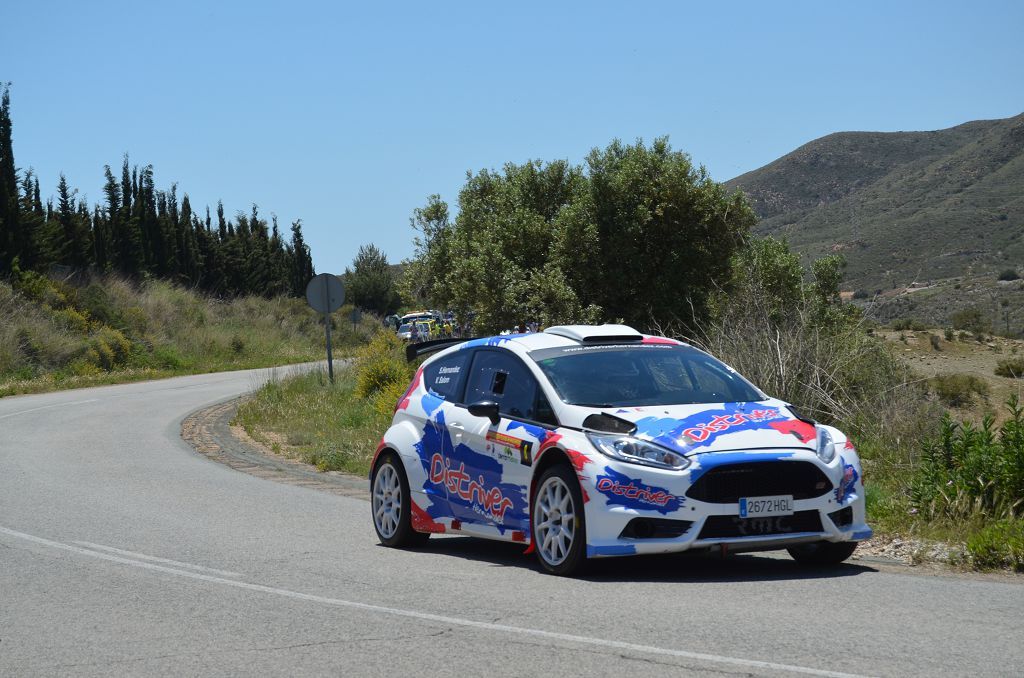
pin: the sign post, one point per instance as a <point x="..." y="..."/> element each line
<point x="325" y="294"/>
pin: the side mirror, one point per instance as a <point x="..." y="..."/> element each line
<point x="486" y="408"/>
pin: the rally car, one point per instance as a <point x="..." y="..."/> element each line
<point x="593" y="441"/>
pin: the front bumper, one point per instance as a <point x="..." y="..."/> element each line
<point x="646" y="511"/>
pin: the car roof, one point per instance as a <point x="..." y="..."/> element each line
<point x="559" y="337"/>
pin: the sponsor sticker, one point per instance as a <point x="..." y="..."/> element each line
<point x="516" y="448"/>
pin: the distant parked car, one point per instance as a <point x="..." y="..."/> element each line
<point x="594" y="441"/>
<point x="405" y="332"/>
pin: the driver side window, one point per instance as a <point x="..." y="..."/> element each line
<point x="502" y="377"/>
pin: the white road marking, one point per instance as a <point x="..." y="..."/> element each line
<point x="440" y="619"/>
<point x="47" y="407"/>
<point x="155" y="559"/>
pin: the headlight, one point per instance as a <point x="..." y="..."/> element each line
<point x="636" y="451"/>
<point x="826" y="446"/>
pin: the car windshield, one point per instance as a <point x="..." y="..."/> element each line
<point x="404" y="328"/>
<point x="641" y="375"/>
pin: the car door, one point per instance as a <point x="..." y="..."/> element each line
<point x="443" y="380"/>
<point x="497" y="459"/>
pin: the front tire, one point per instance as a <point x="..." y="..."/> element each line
<point x="558" y="523"/>
<point x="391" y="504"/>
<point x="822" y="553"/>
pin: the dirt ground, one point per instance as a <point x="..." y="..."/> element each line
<point x="963" y="355"/>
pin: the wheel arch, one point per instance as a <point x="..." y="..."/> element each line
<point x="553" y="456"/>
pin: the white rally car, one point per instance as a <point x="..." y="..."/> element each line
<point x="594" y="441"/>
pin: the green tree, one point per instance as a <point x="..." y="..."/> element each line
<point x="71" y="244"/>
<point x="640" y="234"/>
<point x="369" y="283"/>
<point x="11" y="236"/>
<point x="302" y="262"/>
<point x="32" y="223"/>
<point x="659" y="235"/>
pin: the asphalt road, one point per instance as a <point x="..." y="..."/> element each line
<point x="124" y="552"/>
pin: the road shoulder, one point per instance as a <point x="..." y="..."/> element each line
<point x="210" y="433"/>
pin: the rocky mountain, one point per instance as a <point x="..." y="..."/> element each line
<point x="902" y="207"/>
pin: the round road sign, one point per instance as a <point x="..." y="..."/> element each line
<point x="325" y="293"/>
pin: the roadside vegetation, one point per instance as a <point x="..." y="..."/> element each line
<point x="933" y="471"/>
<point x="335" y="427"/>
<point x="108" y="329"/>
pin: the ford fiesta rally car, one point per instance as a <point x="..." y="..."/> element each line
<point x="594" y="441"/>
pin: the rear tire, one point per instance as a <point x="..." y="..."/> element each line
<point x="822" y="553"/>
<point x="391" y="504"/>
<point x="558" y="524"/>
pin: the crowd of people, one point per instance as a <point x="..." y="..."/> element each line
<point x="420" y="326"/>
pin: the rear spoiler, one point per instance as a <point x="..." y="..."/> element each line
<point x="414" y="351"/>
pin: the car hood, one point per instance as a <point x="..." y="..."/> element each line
<point x="717" y="427"/>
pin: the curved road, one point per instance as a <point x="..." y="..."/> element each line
<point x="123" y="552"/>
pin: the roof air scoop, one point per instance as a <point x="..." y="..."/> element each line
<point x="596" y="333"/>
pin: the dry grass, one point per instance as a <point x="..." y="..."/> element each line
<point x="307" y="418"/>
<point x="54" y="334"/>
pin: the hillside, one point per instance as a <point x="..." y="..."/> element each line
<point x="901" y="207"/>
<point x="83" y="331"/>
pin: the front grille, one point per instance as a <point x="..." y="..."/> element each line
<point x="655" y="528"/>
<point x="726" y="484"/>
<point x="724" y="527"/>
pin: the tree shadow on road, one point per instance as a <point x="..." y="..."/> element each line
<point x="676" y="567"/>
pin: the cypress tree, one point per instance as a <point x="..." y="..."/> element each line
<point x="11" y="236"/>
<point x="302" y="262"/>
<point x="31" y="221"/>
<point x="70" y="244"/>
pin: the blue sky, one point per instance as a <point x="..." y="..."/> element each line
<point x="349" y="115"/>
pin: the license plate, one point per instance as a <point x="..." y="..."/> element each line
<point x="754" y="507"/>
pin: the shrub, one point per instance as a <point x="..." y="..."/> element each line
<point x="861" y="294"/>
<point x="109" y="348"/>
<point x="936" y="343"/>
<point x="973" y="471"/>
<point x="1009" y="274"/>
<point x="909" y="324"/>
<point x="971" y="320"/>
<point x="380" y="365"/>
<point x="71" y="320"/>
<point x="998" y="545"/>
<point x="959" y="390"/>
<point x="97" y="303"/>
<point x="385" y="400"/>
<point x="1011" y="367"/>
<point x="948" y="334"/>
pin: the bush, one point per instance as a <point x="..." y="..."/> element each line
<point x="970" y="472"/>
<point x="1009" y="274"/>
<point x="861" y="294"/>
<point x="998" y="545"/>
<point x="385" y="400"/>
<point x="971" y="320"/>
<point x="959" y="390"/>
<point x="1011" y="367"/>
<point x="109" y="348"/>
<point x="909" y="324"/>
<point x="381" y="365"/>
<point x="936" y="343"/>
